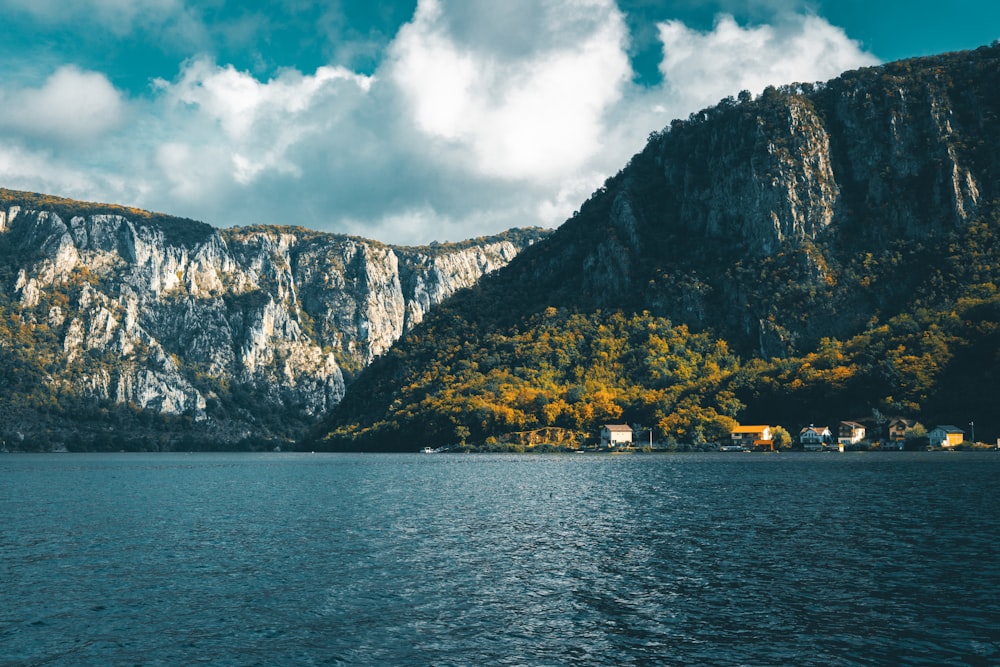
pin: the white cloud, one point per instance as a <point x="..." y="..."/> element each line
<point x="535" y="114"/>
<point x="260" y="123"/>
<point x="42" y="171"/>
<point x="464" y="130"/>
<point x="238" y="101"/>
<point x="553" y="210"/>
<point x="72" y="106"/>
<point x="701" y="68"/>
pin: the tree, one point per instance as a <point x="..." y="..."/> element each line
<point x="916" y="437"/>
<point x="720" y="428"/>
<point x="782" y="438"/>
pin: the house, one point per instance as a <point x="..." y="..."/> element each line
<point x="946" y="436"/>
<point x="813" y="438"/>
<point x="850" y="433"/>
<point x="752" y="437"/>
<point x="613" y="435"/>
<point x="899" y="430"/>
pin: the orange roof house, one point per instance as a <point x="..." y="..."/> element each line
<point x="754" y="437"/>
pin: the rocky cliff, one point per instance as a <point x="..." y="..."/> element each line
<point x="226" y="334"/>
<point x="754" y="218"/>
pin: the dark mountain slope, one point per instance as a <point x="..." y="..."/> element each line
<point x="861" y="213"/>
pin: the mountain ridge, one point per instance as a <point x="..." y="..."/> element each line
<point x="791" y="227"/>
<point x="118" y="320"/>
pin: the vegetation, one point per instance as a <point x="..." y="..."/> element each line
<point x="560" y="372"/>
<point x="520" y="237"/>
<point x="575" y="371"/>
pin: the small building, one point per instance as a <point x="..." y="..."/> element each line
<point x="613" y="435"/>
<point x="850" y="433"/>
<point x="814" y="438"/>
<point x="752" y="437"/>
<point x="945" y="436"/>
<point x="900" y="429"/>
<point x="763" y="445"/>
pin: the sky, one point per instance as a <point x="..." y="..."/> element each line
<point x="404" y="121"/>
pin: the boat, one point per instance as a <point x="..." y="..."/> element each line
<point x="428" y="450"/>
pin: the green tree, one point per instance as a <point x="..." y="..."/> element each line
<point x="782" y="438"/>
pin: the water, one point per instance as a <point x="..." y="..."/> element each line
<point x="691" y="559"/>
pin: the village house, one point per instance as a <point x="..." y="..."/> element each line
<point x="899" y="430"/>
<point x="814" y="438"/>
<point x="945" y="436"/>
<point x="752" y="437"/>
<point x="850" y="433"/>
<point x="613" y="435"/>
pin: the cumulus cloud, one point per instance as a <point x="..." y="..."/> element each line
<point x="45" y="171"/>
<point x="534" y="111"/>
<point x="227" y="130"/>
<point x="481" y="116"/>
<point x="241" y="103"/>
<point x="71" y="106"/>
<point x="700" y="68"/>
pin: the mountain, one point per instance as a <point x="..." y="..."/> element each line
<point x="818" y="253"/>
<point x="128" y="329"/>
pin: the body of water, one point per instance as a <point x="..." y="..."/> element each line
<point x="686" y="559"/>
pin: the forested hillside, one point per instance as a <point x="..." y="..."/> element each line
<point x="810" y="255"/>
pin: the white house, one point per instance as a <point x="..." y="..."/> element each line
<point x="849" y="433"/>
<point x="815" y="437"/>
<point x="613" y="435"/>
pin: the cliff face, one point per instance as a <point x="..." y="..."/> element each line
<point x="212" y="326"/>
<point x="753" y="218"/>
<point x="362" y="296"/>
<point x="820" y="176"/>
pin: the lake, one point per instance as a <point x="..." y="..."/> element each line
<point x="451" y="559"/>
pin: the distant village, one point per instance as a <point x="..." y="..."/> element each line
<point x="894" y="435"/>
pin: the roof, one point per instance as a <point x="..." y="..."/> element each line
<point x="906" y="422"/>
<point x="817" y="429"/>
<point x="618" y="428"/>
<point x="948" y="428"/>
<point x="749" y="429"/>
<point x="852" y="424"/>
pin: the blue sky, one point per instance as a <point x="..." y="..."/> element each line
<point x="405" y="121"/>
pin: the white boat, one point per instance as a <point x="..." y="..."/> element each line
<point x="428" y="450"/>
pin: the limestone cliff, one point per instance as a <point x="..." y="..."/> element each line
<point x="222" y="329"/>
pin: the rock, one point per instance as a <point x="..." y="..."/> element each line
<point x="264" y="315"/>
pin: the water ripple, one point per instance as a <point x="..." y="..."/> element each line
<point x="471" y="560"/>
